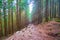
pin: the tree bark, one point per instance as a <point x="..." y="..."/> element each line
<point x="18" y="15"/>
<point x="5" y="20"/>
<point x="0" y="23"/>
<point x="46" y="12"/>
<point x="40" y="12"/>
<point x="59" y="10"/>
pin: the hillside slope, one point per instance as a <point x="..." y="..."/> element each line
<point x="46" y="31"/>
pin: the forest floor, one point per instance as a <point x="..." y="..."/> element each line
<point x="46" y="31"/>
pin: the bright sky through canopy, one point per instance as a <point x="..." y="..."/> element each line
<point x="30" y="7"/>
<point x="30" y="11"/>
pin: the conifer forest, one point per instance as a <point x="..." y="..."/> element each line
<point x="29" y="19"/>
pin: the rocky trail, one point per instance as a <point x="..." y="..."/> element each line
<point x="46" y="31"/>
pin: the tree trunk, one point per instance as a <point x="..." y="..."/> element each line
<point x="59" y="10"/>
<point x="46" y="12"/>
<point x="0" y="23"/>
<point x="18" y="16"/>
<point x="39" y="11"/>
<point x="12" y="30"/>
<point x="50" y="10"/>
<point x="5" y="20"/>
<point x="9" y="20"/>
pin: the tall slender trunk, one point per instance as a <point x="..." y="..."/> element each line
<point x="0" y="23"/>
<point x="53" y="9"/>
<point x="59" y="10"/>
<point x="46" y="12"/>
<point x="40" y="12"/>
<point x="9" y="22"/>
<point x="50" y="11"/>
<point x="5" y="20"/>
<point x="18" y="15"/>
<point x="17" y="19"/>
<point x="12" y="21"/>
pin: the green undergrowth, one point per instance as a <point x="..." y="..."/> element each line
<point x="57" y="20"/>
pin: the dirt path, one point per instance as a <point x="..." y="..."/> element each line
<point x="47" y="31"/>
